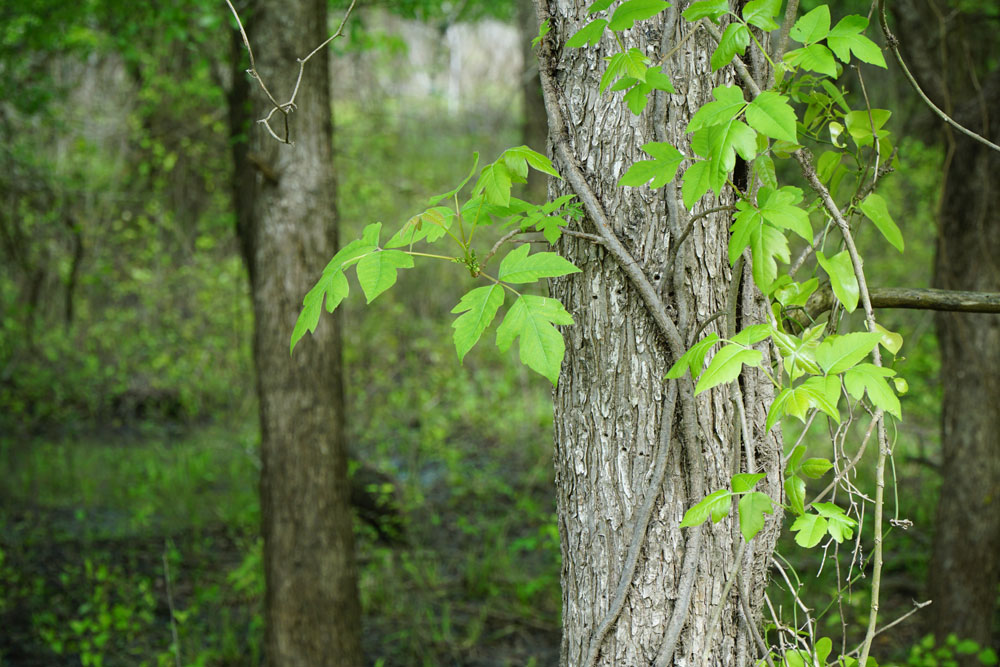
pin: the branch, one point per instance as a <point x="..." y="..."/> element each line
<point x="917" y="298"/>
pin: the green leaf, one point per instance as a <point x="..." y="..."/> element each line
<point x="824" y="394"/>
<point x="715" y="505"/>
<point x="735" y="40"/>
<point x="520" y="267"/>
<point x="353" y="250"/>
<point x="752" y="508"/>
<point x="479" y="306"/>
<point x="635" y="10"/>
<point x="531" y="320"/>
<point x="377" y="271"/>
<point x="693" y="359"/>
<point x="430" y="225"/>
<point x="815" y="468"/>
<point x="838" y="353"/>
<point x="823" y="648"/>
<point x="795" y="460"/>
<point x="599" y="6"/>
<point x="839" y="525"/>
<point x="810" y="528"/>
<point x="796" y="295"/>
<point x="728" y="104"/>
<point x="761" y="13"/>
<point x="543" y="30"/>
<point x="697" y="182"/>
<point x="872" y="379"/>
<point x="494" y="181"/>
<point x="660" y="170"/>
<point x="815" y="58"/>
<point x="842" y="279"/>
<point x="812" y="27"/>
<point x="798" y="353"/>
<point x="632" y="63"/>
<point x="726" y="366"/>
<point x="308" y="319"/>
<point x="763" y="168"/>
<point x="720" y="143"/>
<point x="795" y="493"/>
<point x="777" y="409"/>
<point x="779" y="207"/>
<point x="433" y="201"/>
<point x="860" y="125"/>
<point x="588" y="34"/>
<point x="752" y="334"/>
<point x="846" y="38"/>
<point x="712" y="9"/>
<point x="744" y="481"/>
<point x="766" y="244"/>
<point x="876" y="210"/>
<point x="890" y="340"/>
<point x="522" y="154"/>
<point x="771" y="113"/>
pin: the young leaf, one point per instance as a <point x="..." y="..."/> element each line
<point x="715" y="505"/>
<point x="494" y="181"/>
<point x="875" y="209"/>
<point x="753" y="507"/>
<point x="520" y="267"/>
<point x="660" y="170"/>
<point x="842" y="278"/>
<point x="697" y="181"/>
<point x="810" y="528"/>
<point x="846" y="38"/>
<point x="777" y="409"/>
<point x="744" y="481"/>
<point x="795" y="459"/>
<point x="795" y="493"/>
<point x="589" y="34"/>
<point x="840" y="526"/>
<point x="308" y="319"/>
<point x="632" y="63"/>
<point x="779" y="207"/>
<point x="838" y="353"/>
<point x="761" y="13"/>
<point x="815" y="58"/>
<point x="861" y="123"/>
<point x="430" y="225"/>
<point x="479" y="306"/>
<point x="812" y="27"/>
<point x="521" y="156"/>
<point x="815" y="468"/>
<point x="635" y="10"/>
<point x="726" y="366"/>
<point x="890" y="340"/>
<point x="872" y="379"/>
<point x="824" y="393"/>
<point x="796" y="295"/>
<point x="770" y="113"/>
<point x="541" y="345"/>
<point x="377" y="271"/>
<point x="693" y="359"/>
<point x="353" y="250"/>
<point x="735" y="40"/>
<point x="712" y="9"/>
<point x="543" y="30"/>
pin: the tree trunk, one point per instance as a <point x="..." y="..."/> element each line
<point x="287" y="223"/>
<point x="965" y="566"/>
<point x="609" y="405"/>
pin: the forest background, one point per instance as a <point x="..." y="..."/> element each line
<point x="129" y="514"/>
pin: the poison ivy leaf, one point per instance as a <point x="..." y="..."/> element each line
<point x="770" y="113"/>
<point x="779" y="207"/>
<point x="353" y="250"/>
<point x="798" y="354"/>
<point x="693" y="359"/>
<point x="795" y="459"/>
<point x="812" y="27"/>
<point x="890" y="340"/>
<point x="815" y="468"/>
<point x="840" y="526"/>
<point x="521" y="155"/>
<point x="431" y="225"/>
<point x="744" y="481"/>
<point x="796" y="295"/>
<point x="810" y="529"/>
<point x="531" y="320"/>
<point x="436" y="199"/>
<point x="726" y="366"/>
<point x="815" y="58"/>
<point x="753" y="507"/>
<point x="838" y="353"/>
<point x="635" y="10"/>
<point x="728" y="104"/>
<point x="479" y="307"/>
<point x="309" y="317"/>
<point x="763" y="168"/>
<point x="846" y="38"/>
<point x="842" y="279"/>
<point x="720" y="143"/>
<point x="712" y="9"/>
<point x="495" y="183"/>
<point x="588" y="34"/>
<point x="824" y="394"/>
<point x="599" y="6"/>
<point x="752" y="334"/>
<point x="697" y="181"/>
<point x="543" y="30"/>
<point x="660" y="170"/>
<point x="520" y="267"/>
<point x="777" y="409"/>
<point x="715" y="505"/>
<point x="795" y="493"/>
<point x="836" y="94"/>
<point x="823" y="648"/>
<point x="761" y="13"/>
<point x="876" y="210"/>
<point x="632" y="63"/>
<point x="872" y="378"/>
<point x="735" y="40"/>
<point x="860" y="124"/>
<point x="377" y="271"/>
<point x="766" y="244"/>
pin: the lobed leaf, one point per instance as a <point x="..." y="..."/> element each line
<point x="711" y="9"/>
<point x="479" y="306"/>
<point x="752" y="508"/>
<point x="520" y="267"/>
<point x="812" y="27"/>
<point x="589" y="34"/>
<point x="734" y="42"/>
<point x="726" y="366"/>
<point x="715" y="505"/>
<point x="761" y="13"/>
<point x="693" y="359"/>
<point x="810" y="529"/>
<point x="770" y="113"/>
<point x="846" y="38"/>
<point x="836" y="354"/>
<point x="531" y="320"/>
<point x="377" y="271"/>
<point x="635" y="10"/>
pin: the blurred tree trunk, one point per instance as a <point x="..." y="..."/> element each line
<point x="610" y="418"/>
<point x="534" y="127"/>
<point x="950" y="54"/>
<point x="286" y="220"/>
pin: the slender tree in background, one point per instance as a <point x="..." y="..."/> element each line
<point x="620" y="431"/>
<point x="955" y="71"/>
<point x="286" y="217"/>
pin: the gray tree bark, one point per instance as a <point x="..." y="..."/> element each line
<point x="287" y="218"/>
<point x="610" y="419"/>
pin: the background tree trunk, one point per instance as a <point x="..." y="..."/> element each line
<point x="287" y="223"/>
<point x="610" y="399"/>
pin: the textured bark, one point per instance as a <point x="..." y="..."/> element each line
<point x="610" y="397"/>
<point x="965" y="566"/>
<point x="287" y="224"/>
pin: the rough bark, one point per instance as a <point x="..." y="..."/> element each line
<point x="287" y="223"/>
<point x="609" y="404"/>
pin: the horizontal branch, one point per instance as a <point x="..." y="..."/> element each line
<point x="916" y="298"/>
